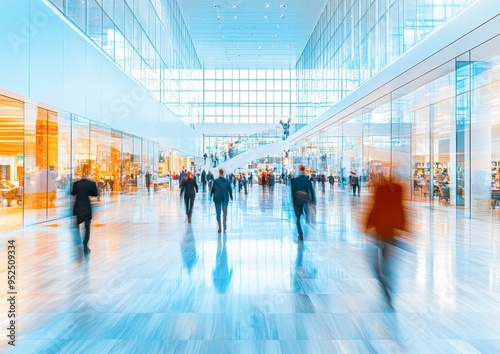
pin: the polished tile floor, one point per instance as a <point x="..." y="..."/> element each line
<point x="155" y="284"/>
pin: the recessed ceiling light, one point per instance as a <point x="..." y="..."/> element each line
<point x="288" y="45"/>
<point x="217" y="6"/>
<point x="234" y="6"/>
<point x="267" y="5"/>
<point x="219" y="17"/>
<point x="278" y="26"/>
<point x="239" y="47"/>
<point x="235" y="17"/>
<point x="284" y="5"/>
<point x="270" y="52"/>
<point x="220" y="27"/>
<point x="275" y="36"/>
<point x="282" y="16"/>
<point x="265" y="17"/>
<point x="222" y="37"/>
<point x="260" y="47"/>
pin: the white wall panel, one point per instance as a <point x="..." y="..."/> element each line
<point x="46" y="55"/>
<point x="74" y="72"/>
<point x="14" y="45"/>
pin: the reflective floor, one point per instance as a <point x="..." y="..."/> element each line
<point x="155" y="284"/>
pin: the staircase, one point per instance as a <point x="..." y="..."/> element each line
<point x="247" y="157"/>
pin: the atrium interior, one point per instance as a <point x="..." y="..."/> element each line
<point x="139" y="91"/>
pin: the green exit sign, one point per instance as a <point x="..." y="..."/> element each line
<point x="19" y="156"/>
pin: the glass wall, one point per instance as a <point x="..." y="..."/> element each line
<point x="353" y="40"/>
<point x="248" y="96"/>
<point x="150" y="41"/>
<point x="42" y="152"/>
<point x="439" y="135"/>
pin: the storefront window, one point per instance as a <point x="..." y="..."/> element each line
<point x="11" y="164"/>
<point x="129" y="178"/>
<point x="100" y="147"/>
<point x="39" y="188"/>
<point x="116" y="161"/>
<point x="59" y="161"/>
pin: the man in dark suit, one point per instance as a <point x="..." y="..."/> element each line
<point x="83" y="189"/>
<point x="302" y="195"/>
<point x="221" y="192"/>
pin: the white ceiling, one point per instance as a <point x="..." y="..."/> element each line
<point x="235" y="34"/>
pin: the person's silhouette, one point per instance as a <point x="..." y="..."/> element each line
<point x="386" y="216"/>
<point x="188" y="249"/>
<point x="221" y="274"/>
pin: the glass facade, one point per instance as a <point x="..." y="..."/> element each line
<point x="150" y="41"/>
<point x="439" y="137"/>
<point x="353" y="40"/>
<point x="248" y="96"/>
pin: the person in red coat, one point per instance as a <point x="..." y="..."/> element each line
<point x="83" y="189"/>
<point x="386" y="216"/>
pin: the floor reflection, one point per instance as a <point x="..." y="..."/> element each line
<point x="188" y="249"/>
<point x="156" y="284"/>
<point x="222" y="274"/>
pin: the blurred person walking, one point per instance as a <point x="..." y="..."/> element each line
<point x="354" y="182"/>
<point x="189" y="188"/>
<point x="210" y="179"/>
<point x="147" y="177"/>
<point x="323" y="182"/>
<point x="386" y="216"/>
<point x="302" y="195"/>
<point x="331" y="180"/>
<point x="221" y="192"/>
<point x="83" y="189"/>
<point x="204" y="180"/>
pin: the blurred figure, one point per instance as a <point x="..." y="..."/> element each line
<point x="271" y="181"/>
<point x="323" y="182"/>
<point x="147" y="177"/>
<point x="204" y="180"/>
<point x="189" y="188"/>
<point x="386" y="216"/>
<point x="302" y="195"/>
<point x="182" y="178"/>
<point x="331" y="180"/>
<point x="83" y="189"/>
<point x="210" y="179"/>
<point x="354" y="181"/>
<point x="221" y="192"/>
